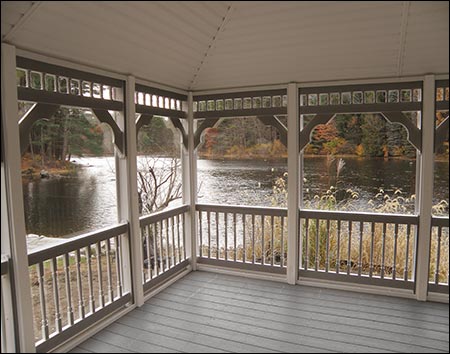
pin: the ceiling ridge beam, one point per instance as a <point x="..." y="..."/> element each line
<point x="403" y="30"/>
<point x="25" y="17"/>
<point x="211" y="45"/>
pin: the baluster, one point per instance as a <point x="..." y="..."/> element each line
<point x="68" y="289"/>
<point x="383" y="244"/>
<point x="235" y="236"/>
<point x="79" y="284"/>
<point x="90" y="283"/>
<point x="253" y="239"/>
<point x="263" y="249"/>
<point x="208" y="217"/>
<point x="394" y="265"/>
<point x="405" y="273"/>
<point x="145" y="235"/>
<point x="272" y="245"/>
<point x="184" y="238"/>
<point x="43" y="301"/>
<point x="306" y="244"/>
<point x="161" y="246"/>
<point x="156" y="257"/>
<point x="349" y="250"/>
<point x="109" y="270"/>
<point x="54" y="268"/>
<point x="168" y="244"/>
<point x="244" y="255"/>
<point x="200" y="225"/>
<point x="101" y="292"/>
<point x="217" y="235"/>
<point x="438" y="255"/>
<point x="282" y="242"/>
<point x="361" y="230"/>
<point x="119" y="264"/>
<point x="338" y="255"/>
<point x="327" y="245"/>
<point x="317" y="263"/>
<point x="372" y="240"/>
<point x="225" y="219"/>
<point x="174" y="257"/>
<point x="178" y="239"/>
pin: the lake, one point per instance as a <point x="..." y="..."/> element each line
<point x="67" y="206"/>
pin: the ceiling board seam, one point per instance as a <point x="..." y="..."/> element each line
<point x="403" y="32"/>
<point x="25" y="17"/>
<point x="210" y="46"/>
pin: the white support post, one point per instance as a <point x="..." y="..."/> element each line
<point x="127" y="199"/>
<point x="425" y="192"/>
<point x="293" y="184"/>
<point x="14" y="201"/>
<point x="189" y="164"/>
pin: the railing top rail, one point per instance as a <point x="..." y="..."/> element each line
<point x="5" y="264"/>
<point x="76" y="243"/>
<point x="161" y="215"/>
<point x="241" y="209"/>
<point x="442" y="221"/>
<point x="360" y="216"/>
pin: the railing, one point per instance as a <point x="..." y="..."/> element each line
<point x="163" y="245"/>
<point x="251" y="238"/>
<point x="439" y="274"/>
<point x="7" y="315"/>
<point x="368" y="248"/>
<point x="76" y="284"/>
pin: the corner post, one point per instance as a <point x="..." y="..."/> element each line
<point x="425" y="188"/>
<point x="293" y="184"/>
<point x="16" y="242"/>
<point x="127" y="197"/>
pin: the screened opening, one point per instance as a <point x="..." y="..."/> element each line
<point x="362" y="163"/>
<point x="159" y="166"/>
<point x="239" y="162"/>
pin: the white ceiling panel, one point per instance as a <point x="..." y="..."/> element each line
<point x="206" y="45"/>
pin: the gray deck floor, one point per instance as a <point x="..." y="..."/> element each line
<point x="207" y="312"/>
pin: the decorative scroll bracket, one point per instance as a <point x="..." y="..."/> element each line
<point x="38" y="111"/>
<point x="273" y="121"/>
<point x="441" y="133"/>
<point x="177" y="124"/>
<point x="207" y="123"/>
<point x="305" y="134"/>
<point x="146" y="119"/>
<point x="119" y="137"/>
<point x="414" y="133"/>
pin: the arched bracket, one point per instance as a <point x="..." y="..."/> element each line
<point x="177" y="124"/>
<point x="119" y="137"/>
<point x="38" y="111"/>
<point x="276" y="123"/>
<point x="414" y="133"/>
<point x="146" y="119"/>
<point x="207" y="123"/>
<point x="305" y="134"/>
<point x="441" y="133"/>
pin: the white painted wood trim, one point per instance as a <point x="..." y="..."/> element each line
<point x="17" y="232"/>
<point x="425" y="195"/>
<point x="293" y="184"/>
<point x="133" y="203"/>
<point x="360" y="288"/>
<point x="242" y="273"/>
<point x="192" y="154"/>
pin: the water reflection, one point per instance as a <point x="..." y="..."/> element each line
<point x="87" y="201"/>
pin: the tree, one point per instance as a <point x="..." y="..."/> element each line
<point x="373" y="131"/>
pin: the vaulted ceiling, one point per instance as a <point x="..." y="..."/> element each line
<point x="206" y="45"/>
